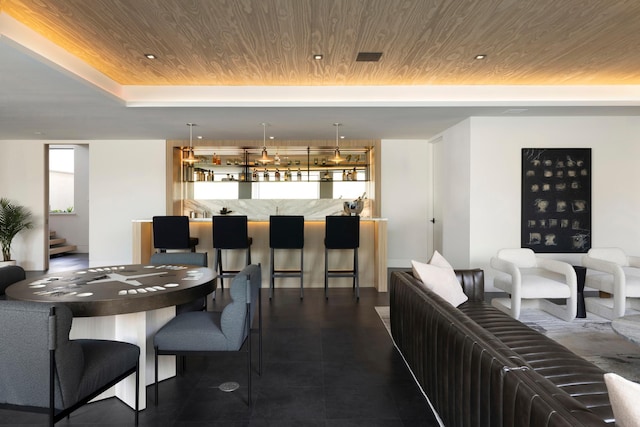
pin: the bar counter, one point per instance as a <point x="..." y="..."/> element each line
<point x="372" y="254"/>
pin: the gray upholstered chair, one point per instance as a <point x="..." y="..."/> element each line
<point x="203" y="332"/>
<point x="184" y="258"/>
<point x="8" y="276"/>
<point x="44" y="371"/>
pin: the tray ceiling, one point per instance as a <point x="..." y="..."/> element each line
<point x="271" y="42"/>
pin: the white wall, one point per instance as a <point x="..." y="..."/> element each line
<point x="126" y="181"/>
<point x="22" y="180"/>
<point x="455" y="201"/>
<point x="495" y="192"/>
<point x="405" y="199"/>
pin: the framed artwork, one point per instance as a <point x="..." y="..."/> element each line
<point x="556" y="199"/>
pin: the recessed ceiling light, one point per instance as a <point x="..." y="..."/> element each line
<point x="317" y="57"/>
<point x="199" y="136"/>
<point x="272" y="137"/>
<point x="481" y="56"/>
<point x="150" y="56"/>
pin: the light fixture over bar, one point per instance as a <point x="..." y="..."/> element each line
<point x="191" y="159"/>
<point x="337" y="158"/>
<point x="265" y="157"/>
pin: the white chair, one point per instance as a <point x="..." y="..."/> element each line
<point x="617" y="274"/>
<point x="531" y="280"/>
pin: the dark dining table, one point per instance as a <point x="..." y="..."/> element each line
<point x="122" y="302"/>
<point x="120" y="289"/>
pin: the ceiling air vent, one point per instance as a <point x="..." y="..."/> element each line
<point x="369" y="56"/>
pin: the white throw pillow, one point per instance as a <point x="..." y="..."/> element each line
<point x="624" y="396"/>
<point x="439" y="277"/>
<point x="439" y="261"/>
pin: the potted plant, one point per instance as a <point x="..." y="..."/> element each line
<point x="13" y="219"/>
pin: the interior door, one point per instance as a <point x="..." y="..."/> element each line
<point x="436" y="191"/>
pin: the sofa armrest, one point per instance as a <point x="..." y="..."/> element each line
<point x="634" y="261"/>
<point x="472" y="281"/>
<point x="601" y="265"/>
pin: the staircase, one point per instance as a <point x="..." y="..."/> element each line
<point x="58" y="245"/>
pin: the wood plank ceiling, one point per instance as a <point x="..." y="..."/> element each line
<point x="271" y="42"/>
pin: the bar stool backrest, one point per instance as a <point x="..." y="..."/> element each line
<point x="286" y="231"/>
<point x="342" y="232"/>
<point x="230" y="232"/>
<point x="171" y="232"/>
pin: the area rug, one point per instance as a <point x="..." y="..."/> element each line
<point x="591" y="338"/>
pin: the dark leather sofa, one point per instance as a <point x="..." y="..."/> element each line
<point x="480" y="367"/>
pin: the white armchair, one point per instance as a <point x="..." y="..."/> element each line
<point x="615" y="273"/>
<point x="530" y="280"/>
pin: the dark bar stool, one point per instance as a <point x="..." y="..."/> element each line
<point x="342" y="232"/>
<point x="286" y="232"/>
<point x="229" y="232"/>
<point x="172" y="232"/>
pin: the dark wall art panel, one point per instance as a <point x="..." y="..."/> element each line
<point x="556" y="199"/>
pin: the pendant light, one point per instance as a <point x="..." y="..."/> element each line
<point x="265" y="157"/>
<point x="191" y="159"/>
<point x="337" y="158"/>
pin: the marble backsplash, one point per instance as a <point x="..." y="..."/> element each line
<point x="262" y="209"/>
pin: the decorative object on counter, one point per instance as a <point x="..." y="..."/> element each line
<point x="191" y="159"/>
<point x="225" y="211"/>
<point x="265" y="156"/>
<point x="14" y="218"/>
<point x="355" y="207"/>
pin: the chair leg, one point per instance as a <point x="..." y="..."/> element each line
<point x="219" y="270"/>
<point x="137" y="392"/>
<point x="156" y="376"/>
<point x="259" y="332"/>
<point x="271" y="270"/>
<point x="326" y="273"/>
<point x="249" y="357"/>
<point x="356" y="274"/>
<point x="301" y="273"/>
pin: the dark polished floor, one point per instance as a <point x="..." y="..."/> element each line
<point x="326" y="363"/>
